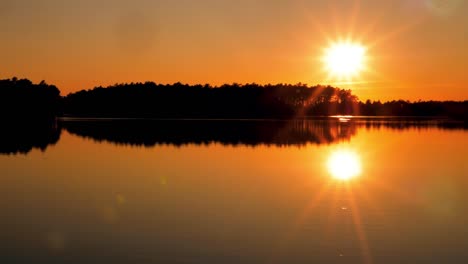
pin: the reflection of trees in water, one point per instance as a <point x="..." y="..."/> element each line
<point x="21" y="136"/>
<point x="28" y="115"/>
<point x="317" y="131"/>
<point x="227" y="132"/>
<point x="413" y="124"/>
<point x="142" y="132"/>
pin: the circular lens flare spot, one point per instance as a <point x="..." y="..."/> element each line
<point x="344" y="165"/>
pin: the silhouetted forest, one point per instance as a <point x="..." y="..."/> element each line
<point x="28" y="114"/>
<point x="452" y="109"/>
<point x="22" y="98"/>
<point x="282" y="101"/>
<point x="229" y="101"/>
<point x="197" y="101"/>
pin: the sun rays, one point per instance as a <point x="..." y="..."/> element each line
<point x="352" y="53"/>
<point x="338" y="198"/>
<point x="344" y="59"/>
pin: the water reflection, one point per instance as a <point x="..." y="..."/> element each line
<point x="226" y="132"/>
<point x="234" y="132"/>
<point x="20" y="136"/>
<point x="24" y="135"/>
<point x="402" y="123"/>
<point x="89" y="202"/>
<point x="344" y="164"/>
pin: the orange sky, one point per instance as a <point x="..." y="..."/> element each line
<point x="416" y="48"/>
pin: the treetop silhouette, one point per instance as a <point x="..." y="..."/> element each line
<point x="20" y="97"/>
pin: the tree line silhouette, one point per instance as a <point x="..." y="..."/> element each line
<point x="22" y="98"/>
<point x="204" y="101"/>
<point x="230" y="101"/>
<point x="453" y="109"/>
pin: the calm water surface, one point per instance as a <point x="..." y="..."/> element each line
<point x="318" y="191"/>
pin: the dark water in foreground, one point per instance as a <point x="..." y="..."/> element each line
<point x="320" y="191"/>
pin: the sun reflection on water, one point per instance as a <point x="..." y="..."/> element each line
<point x="344" y="164"/>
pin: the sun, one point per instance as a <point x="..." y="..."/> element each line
<point x="344" y="59"/>
<point x="344" y="165"/>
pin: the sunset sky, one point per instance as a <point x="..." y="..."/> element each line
<point x="415" y="49"/>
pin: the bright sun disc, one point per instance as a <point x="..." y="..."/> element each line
<point x="344" y="165"/>
<point x="344" y="59"/>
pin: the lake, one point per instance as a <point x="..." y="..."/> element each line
<point x="247" y="191"/>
